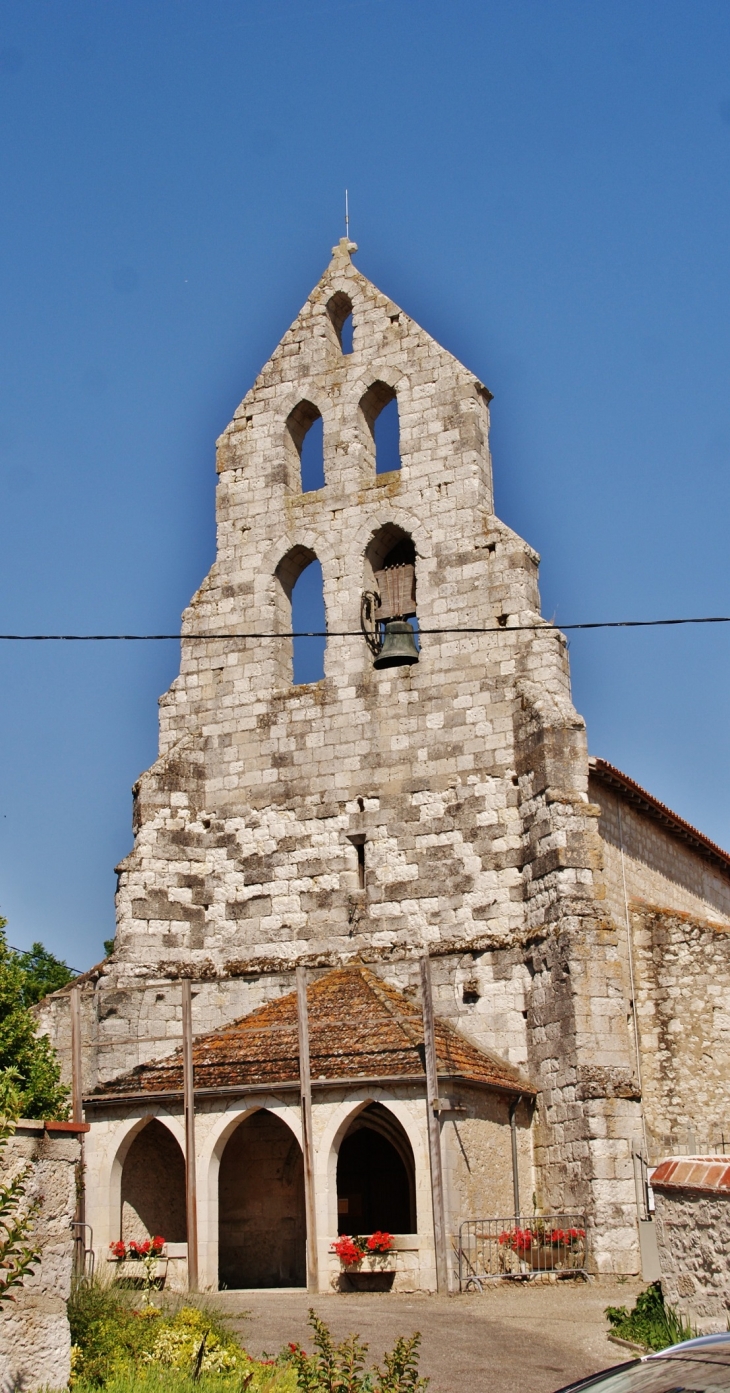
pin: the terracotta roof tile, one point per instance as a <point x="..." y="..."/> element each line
<point x="359" y="1027"/>
<point x="710" y="1174"/>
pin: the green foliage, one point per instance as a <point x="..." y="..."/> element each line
<point x="27" y="1058"/>
<point x="18" y="1257"/>
<point x="118" y="1347"/>
<point x="43" y="972"/>
<point x="651" y="1323"/>
<point x="341" y="1368"/>
<point x="109" y="946"/>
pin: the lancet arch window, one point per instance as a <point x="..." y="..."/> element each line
<point x="376" y="1186"/>
<point x="300" y="607"/>
<point x="381" y="425"/>
<point x="305" y="435"/>
<point x="339" y="309"/>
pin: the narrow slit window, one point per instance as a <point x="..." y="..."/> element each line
<point x="308" y="615"/>
<point x="360" y="849"/>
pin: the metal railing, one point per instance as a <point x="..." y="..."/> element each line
<point x="521" y="1248"/>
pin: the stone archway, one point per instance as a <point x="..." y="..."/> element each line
<point x="261" y="1217"/>
<point x="153" y="1186"/>
<point x="376" y="1175"/>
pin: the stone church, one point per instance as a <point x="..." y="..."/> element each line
<point x="431" y="794"/>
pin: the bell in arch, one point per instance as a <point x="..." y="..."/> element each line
<point x="399" y="645"/>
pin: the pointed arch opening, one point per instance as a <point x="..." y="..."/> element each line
<point x="300" y="607"/>
<point x="305" y="430"/>
<point x="379" y="410"/>
<point x="339" y="309"/>
<point x="153" y="1187"/>
<point x="389" y="613"/>
<point x="261" y="1217"/>
<point x="376" y="1175"/>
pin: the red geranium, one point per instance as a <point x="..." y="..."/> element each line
<point x="348" y="1250"/>
<point x="118" y="1249"/>
<point x="379" y="1242"/>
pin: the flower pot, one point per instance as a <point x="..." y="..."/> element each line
<point x="352" y="1279"/>
<point x="554" y="1257"/>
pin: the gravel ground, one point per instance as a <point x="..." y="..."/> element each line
<point x="520" y="1339"/>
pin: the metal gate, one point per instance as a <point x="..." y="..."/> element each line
<point x="521" y="1248"/>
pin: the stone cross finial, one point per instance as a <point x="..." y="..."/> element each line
<point x="343" y="251"/>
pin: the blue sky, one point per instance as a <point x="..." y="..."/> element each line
<point x="544" y="186"/>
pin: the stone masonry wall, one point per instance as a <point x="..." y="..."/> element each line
<point x="659" y="867"/>
<point x="693" y="1238"/>
<point x="35" y="1342"/>
<point x="682" y="968"/>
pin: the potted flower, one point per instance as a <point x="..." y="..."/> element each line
<point x="545" y="1249"/>
<point x="352" y="1250"/>
<point x="146" y="1253"/>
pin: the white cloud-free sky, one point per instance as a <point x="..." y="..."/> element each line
<point x="544" y="187"/>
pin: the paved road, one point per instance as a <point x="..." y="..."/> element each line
<point x="525" y="1339"/>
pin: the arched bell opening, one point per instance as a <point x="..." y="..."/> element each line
<point x="389" y="598"/>
<point x="261" y="1218"/>
<point x="153" y="1187"/>
<point x="376" y="1176"/>
<point x="381" y="423"/>
<point x="339" y="309"/>
<point x="300" y="607"/>
<point x="305" y="434"/>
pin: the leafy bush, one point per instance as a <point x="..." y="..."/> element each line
<point x="341" y="1368"/>
<point x="18" y="1256"/>
<point x="117" y="1347"/>
<point x="651" y="1323"/>
<point x="29" y="1059"/>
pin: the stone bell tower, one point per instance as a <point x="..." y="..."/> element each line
<point x="437" y="804"/>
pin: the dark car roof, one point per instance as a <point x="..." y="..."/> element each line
<point x="715" y="1348"/>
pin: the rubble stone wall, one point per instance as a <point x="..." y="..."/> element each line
<point x="693" y="1238"/>
<point x="35" y="1341"/>
<point x="682" y="967"/>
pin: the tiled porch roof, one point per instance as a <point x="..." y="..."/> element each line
<point x="359" y="1028"/>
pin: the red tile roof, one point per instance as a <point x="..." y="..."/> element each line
<point x="709" y="1174"/>
<point x="359" y="1027"/>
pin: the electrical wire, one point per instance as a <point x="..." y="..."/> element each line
<point x="357" y="633"/>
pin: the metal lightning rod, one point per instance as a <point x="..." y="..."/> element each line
<point x="347" y="217"/>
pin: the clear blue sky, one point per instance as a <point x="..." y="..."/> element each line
<point x="544" y="186"/>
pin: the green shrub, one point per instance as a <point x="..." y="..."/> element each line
<point x="651" y="1323"/>
<point x="341" y="1368"/>
<point x="115" y="1344"/>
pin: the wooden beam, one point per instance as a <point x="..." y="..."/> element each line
<point x="77" y="1088"/>
<point x="434" y="1129"/>
<point x="77" y="1115"/>
<point x="305" y="1093"/>
<point x="191" y="1194"/>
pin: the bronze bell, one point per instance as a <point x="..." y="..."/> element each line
<point x="399" y="645"/>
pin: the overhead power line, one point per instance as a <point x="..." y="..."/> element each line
<point x="357" y="633"/>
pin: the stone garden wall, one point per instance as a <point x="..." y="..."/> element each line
<point x="693" y="1235"/>
<point x="35" y="1341"/>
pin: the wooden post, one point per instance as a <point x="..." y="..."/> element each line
<point x="77" y="1088"/>
<point x="191" y="1197"/>
<point x="77" y="1115"/>
<point x="305" y="1087"/>
<point x="434" y="1130"/>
